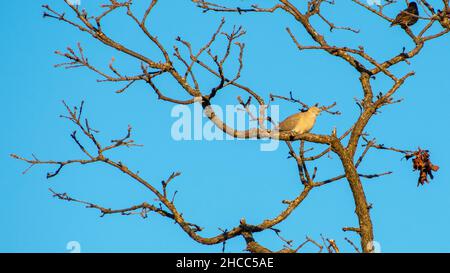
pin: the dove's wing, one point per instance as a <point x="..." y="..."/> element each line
<point x="290" y="122"/>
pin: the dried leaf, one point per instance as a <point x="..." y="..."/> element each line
<point x="422" y="163"/>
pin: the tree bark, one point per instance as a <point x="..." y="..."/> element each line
<point x="362" y="209"/>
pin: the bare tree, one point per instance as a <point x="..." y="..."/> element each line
<point x="345" y="146"/>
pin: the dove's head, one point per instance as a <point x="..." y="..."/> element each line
<point x="314" y="110"/>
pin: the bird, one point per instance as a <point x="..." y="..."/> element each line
<point x="407" y="17"/>
<point x="301" y="122"/>
<point x="447" y="12"/>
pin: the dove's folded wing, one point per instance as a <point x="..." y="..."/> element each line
<point x="290" y="122"/>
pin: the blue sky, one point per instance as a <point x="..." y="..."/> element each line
<point x="222" y="181"/>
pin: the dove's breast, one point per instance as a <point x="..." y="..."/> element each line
<point x="305" y="124"/>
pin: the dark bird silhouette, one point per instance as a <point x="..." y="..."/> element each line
<point x="444" y="13"/>
<point x="407" y="17"/>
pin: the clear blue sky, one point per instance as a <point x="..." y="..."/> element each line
<point x="222" y="181"/>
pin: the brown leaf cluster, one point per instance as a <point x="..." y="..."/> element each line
<point x="422" y="163"/>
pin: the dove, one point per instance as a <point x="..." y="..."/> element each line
<point x="407" y="17"/>
<point x="301" y="122"/>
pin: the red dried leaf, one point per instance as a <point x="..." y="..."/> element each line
<point x="422" y="163"/>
